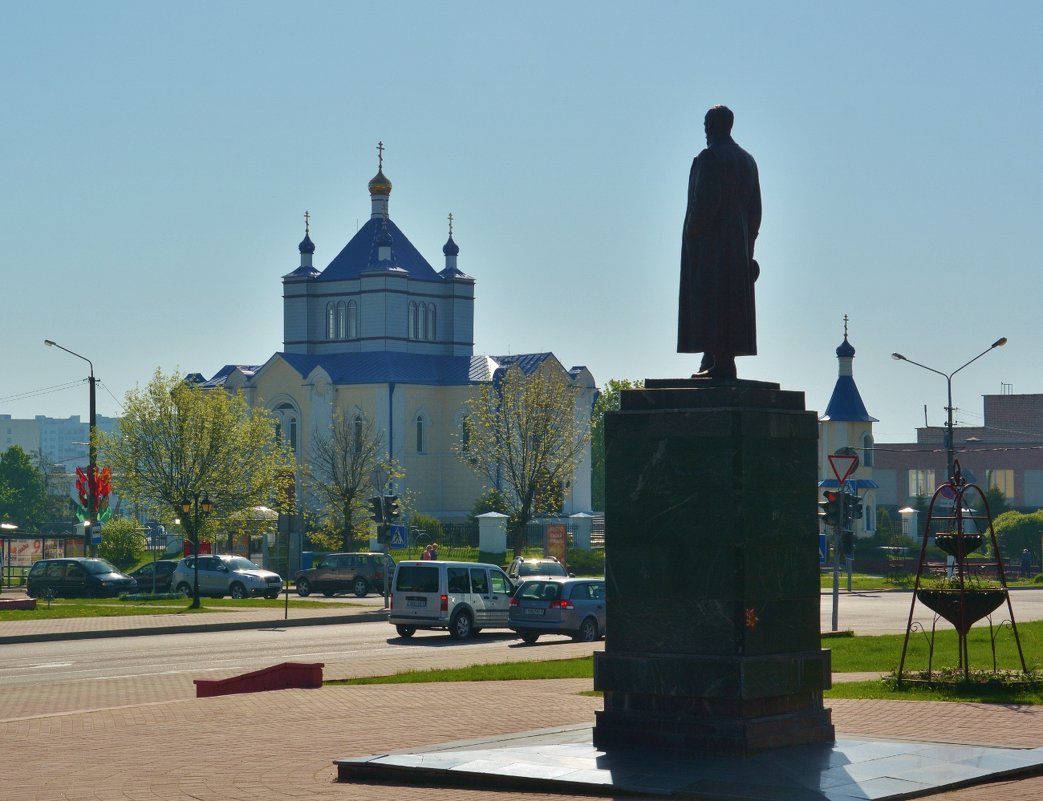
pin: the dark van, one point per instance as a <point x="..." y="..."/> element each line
<point x="76" y="577"/>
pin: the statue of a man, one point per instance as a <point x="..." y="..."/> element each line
<point x="717" y="316"/>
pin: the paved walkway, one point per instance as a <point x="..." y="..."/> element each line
<point x="148" y="738"/>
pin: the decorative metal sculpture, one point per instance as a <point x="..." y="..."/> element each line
<point x="960" y="597"/>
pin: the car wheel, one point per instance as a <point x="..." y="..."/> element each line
<point x="461" y="626"/>
<point x="360" y="587"/>
<point x="237" y="591"/>
<point x="529" y="637"/>
<point x="588" y="631"/>
<point x="405" y="631"/>
<point x="271" y="596"/>
<point x="303" y="587"/>
<point x="184" y="588"/>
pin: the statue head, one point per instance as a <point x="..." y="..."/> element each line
<point x="718" y="123"/>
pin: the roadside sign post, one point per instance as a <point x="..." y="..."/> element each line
<point x="843" y="464"/>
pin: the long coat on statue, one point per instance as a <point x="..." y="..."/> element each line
<point x="716" y="310"/>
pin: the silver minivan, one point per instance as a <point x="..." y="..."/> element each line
<point x="462" y="597"/>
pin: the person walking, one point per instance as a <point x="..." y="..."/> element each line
<point x="1026" y="564"/>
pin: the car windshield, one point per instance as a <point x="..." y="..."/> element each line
<point x="541" y="569"/>
<point x="99" y="566"/>
<point x="241" y="563"/>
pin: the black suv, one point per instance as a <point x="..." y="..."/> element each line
<point x="359" y="573"/>
<point x="77" y="577"/>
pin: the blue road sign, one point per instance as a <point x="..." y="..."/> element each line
<point x="399" y="536"/>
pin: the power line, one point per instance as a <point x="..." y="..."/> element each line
<point x="35" y="393"/>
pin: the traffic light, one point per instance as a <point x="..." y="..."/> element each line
<point x="829" y="509"/>
<point x="376" y="504"/>
<point x="391" y="507"/>
<point x="854" y="503"/>
<point x="847" y="543"/>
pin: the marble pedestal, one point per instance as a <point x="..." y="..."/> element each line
<point x="711" y="563"/>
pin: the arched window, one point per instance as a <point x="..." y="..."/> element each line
<point x="341" y="321"/>
<point x="286" y="425"/>
<point x="465" y="434"/>
<point x="421" y="444"/>
<point x="353" y="320"/>
<point x="421" y="328"/>
<point x="867" y="450"/>
<point x="412" y="319"/>
<point x="431" y="323"/>
<point x="331" y="321"/>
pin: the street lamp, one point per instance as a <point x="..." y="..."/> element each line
<point x="92" y="466"/>
<point x="195" y="506"/>
<point x="999" y="343"/>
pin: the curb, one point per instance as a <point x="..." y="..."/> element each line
<point x="195" y="628"/>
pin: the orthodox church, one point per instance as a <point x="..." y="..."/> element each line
<point x="846" y="427"/>
<point x="379" y="334"/>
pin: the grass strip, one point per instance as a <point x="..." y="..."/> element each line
<point x="578" y="668"/>
<point x="114" y="607"/>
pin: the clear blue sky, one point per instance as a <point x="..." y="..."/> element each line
<point x="158" y="159"/>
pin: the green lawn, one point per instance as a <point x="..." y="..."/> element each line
<point x="114" y="607"/>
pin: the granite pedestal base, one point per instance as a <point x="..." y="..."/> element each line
<point x="711" y="564"/>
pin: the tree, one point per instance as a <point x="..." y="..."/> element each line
<point x="344" y="462"/>
<point x="122" y="542"/>
<point x="23" y="491"/>
<point x="1017" y="531"/>
<point x="607" y="401"/>
<point x="177" y="440"/>
<point x="524" y="436"/>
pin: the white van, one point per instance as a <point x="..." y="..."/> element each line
<point x="463" y="597"/>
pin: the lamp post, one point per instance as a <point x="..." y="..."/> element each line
<point x="949" y="448"/>
<point x="92" y="465"/>
<point x="195" y="506"/>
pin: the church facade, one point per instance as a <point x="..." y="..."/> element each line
<point x="380" y="335"/>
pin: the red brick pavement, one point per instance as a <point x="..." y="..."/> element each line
<point x="281" y="744"/>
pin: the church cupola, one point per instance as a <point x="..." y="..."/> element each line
<point x="846" y="403"/>
<point x="306" y="247"/>
<point x="379" y="187"/>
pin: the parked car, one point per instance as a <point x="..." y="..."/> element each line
<point x="360" y="573"/>
<point x="573" y="606"/>
<point x="461" y="597"/>
<point x="221" y="575"/>
<point x="77" y="577"/>
<point x="155" y="576"/>
<point x="524" y="567"/>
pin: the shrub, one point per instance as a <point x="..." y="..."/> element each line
<point x="122" y="542"/>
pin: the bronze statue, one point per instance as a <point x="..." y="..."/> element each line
<point x="717" y="316"/>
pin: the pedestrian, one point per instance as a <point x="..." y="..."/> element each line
<point x="427" y="554"/>
<point x="434" y="550"/>
<point x="1026" y="564"/>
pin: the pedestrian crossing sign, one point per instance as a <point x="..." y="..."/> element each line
<point x="399" y="536"/>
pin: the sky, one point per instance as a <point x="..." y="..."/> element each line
<point x="158" y="158"/>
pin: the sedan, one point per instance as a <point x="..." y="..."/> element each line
<point x="573" y="606"/>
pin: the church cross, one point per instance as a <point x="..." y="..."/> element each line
<point x="380" y="156"/>
<point x="450" y="223"/>
<point x="845" y="326"/>
<point x="307" y="217"/>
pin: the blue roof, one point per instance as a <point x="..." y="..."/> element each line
<point x="384" y="366"/>
<point x="360" y="255"/>
<point x="846" y="404"/>
<point x="528" y="362"/>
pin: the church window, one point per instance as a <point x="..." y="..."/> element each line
<point x="357" y="430"/>
<point x="421" y="329"/>
<point x="331" y="321"/>
<point x="867" y="450"/>
<point x="341" y="315"/>
<point x="412" y="319"/>
<point x="431" y="323"/>
<point x="421" y="444"/>
<point x="353" y="320"/>
<point x="465" y="434"/>
<point x="286" y="425"/>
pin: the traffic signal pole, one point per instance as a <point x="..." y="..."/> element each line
<point x="838" y="524"/>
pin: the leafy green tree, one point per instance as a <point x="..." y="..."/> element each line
<point x="997" y="502"/>
<point x="346" y="467"/>
<point x="23" y="492"/>
<point x="1017" y="531"/>
<point x="122" y="542"/>
<point x="177" y="440"/>
<point x="607" y="401"/>
<point x="525" y="436"/>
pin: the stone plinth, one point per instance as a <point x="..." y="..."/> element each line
<point x="711" y="563"/>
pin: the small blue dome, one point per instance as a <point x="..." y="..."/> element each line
<point x="451" y="248"/>
<point x="845" y="349"/>
<point x="306" y="245"/>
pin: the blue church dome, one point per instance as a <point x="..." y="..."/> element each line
<point x="846" y="349"/>
<point x="306" y="245"/>
<point x="451" y="248"/>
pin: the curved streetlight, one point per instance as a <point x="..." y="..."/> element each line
<point x="92" y="466"/>
<point x="999" y="343"/>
